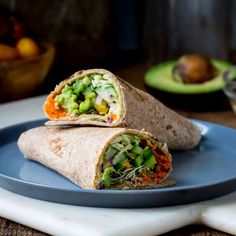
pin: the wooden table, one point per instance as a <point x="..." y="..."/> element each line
<point x="135" y="76"/>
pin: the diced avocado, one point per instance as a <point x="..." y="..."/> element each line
<point x="63" y="98"/>
<point x="75" y="111"/>
<point x="150" y="162"/>
<point x="138" y="161"/>
<point x="84" y="106"/>
<point x="122" y="164"/>
<point x="90" y="95"/>
<point x="59" y="98"/>
<point x="86" y="81"/>
<point x="68" y="102"/>
<point x="147" y="152"/>
<point x="137" y="150"/>
<point x="79" y="86"/>
<point x="67" y="89"/>
<point x="92" y="102"/>
<point x="72" y="105"/>
<point x="89" y="89"/>
<point x="106" y="176"/>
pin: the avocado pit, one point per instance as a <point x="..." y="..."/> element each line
<point x="193" y="69"/>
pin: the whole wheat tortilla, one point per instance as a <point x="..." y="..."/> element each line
<point x="139" y="110"/>
<point x="76" y="152"/>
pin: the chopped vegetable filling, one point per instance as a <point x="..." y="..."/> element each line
<point x="91" y="94"/>
<point x="130" y="162"/>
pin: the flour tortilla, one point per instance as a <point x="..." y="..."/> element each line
<point x="75" y="152"/>
<point x="139" y="110"/>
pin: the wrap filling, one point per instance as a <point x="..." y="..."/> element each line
<point x="131" y="162"/>
<point x="95" y="94"/>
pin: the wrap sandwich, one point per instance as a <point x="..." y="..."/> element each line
<point x="100" y="158"/>
<point x="99" y="98"/>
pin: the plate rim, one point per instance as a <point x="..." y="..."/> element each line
<point x="80" y="189"/>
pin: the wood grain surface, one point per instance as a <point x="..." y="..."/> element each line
<point x="10" y="228"/>
<point x="135" y="76"/>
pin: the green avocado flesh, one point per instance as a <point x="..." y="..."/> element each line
<point x="126" y="160"/>
<point x="160" y="77"/>
<point x="92" y="94"/>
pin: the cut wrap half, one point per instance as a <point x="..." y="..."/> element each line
<point x="100" y="158"/>
<point x="97" y="97"/>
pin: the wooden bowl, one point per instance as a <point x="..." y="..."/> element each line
<point x="22" y="78"/>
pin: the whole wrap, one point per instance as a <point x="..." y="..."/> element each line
<point x="139" y="110"/>
<point x="76" y="153"/>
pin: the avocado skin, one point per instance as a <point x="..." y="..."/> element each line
<point x="212" y="100"/>
<point x="161" y="77"/>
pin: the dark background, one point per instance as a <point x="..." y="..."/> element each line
<point x="116" y="34"/>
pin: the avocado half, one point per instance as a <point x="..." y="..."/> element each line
<point x="160" y="77"/>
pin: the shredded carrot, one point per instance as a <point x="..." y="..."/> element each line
<point x="113" y="117"/>
<point x="159" y="176"/>
<point x="164" y="167"/>
<point x="146" y="178"/>
<point x="164" y="162"/>
<point x="51" y="110"/>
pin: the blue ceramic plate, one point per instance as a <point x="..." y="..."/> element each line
<point x="203" y="173"/>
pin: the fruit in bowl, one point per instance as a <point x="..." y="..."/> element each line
<point x="22" y="78"/>
<point x="27" y="47"/>
<point x="8" y="53"/>
<point x="24" y="61"/>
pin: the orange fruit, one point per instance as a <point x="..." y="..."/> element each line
<point x="27" y="47"/>
<point x="8" y="52"/>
